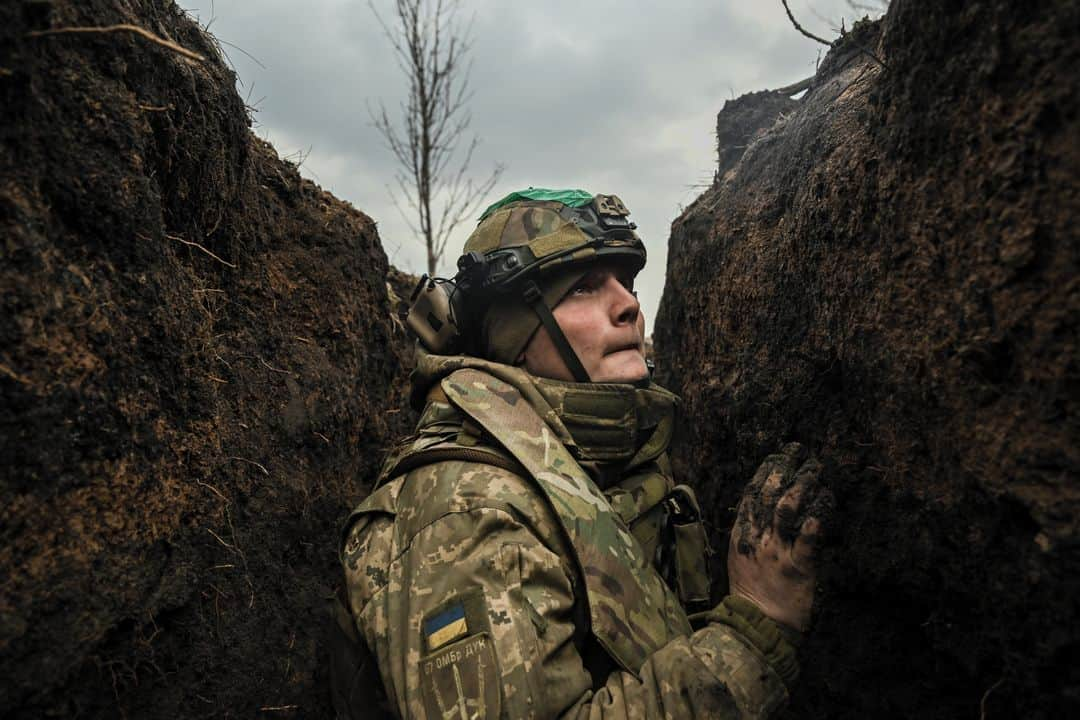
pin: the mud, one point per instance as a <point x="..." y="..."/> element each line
<point x="888" y="274"/>
<point x="784" y="497"/>
<point x="198" y="373"/>
<point x="199" y="366"/>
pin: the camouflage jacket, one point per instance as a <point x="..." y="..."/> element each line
<point x="485" y="586"/>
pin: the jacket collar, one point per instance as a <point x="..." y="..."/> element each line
<point x="602" y="424"/>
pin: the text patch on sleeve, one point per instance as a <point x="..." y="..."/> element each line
<point x="461" y="680"/>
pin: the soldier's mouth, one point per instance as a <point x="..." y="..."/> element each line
<point x="623" y="348"/>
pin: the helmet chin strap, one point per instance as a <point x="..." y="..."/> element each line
<point x="535" y="298"/>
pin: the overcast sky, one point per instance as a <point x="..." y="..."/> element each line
<point x="611" y="97"/>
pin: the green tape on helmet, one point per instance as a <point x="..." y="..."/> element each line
<point x="570" y="198"/>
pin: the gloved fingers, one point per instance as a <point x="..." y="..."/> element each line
<point x="781" y="467"/>
<point x="781" y="518"/>
<point x="761" y="475"/>
<point x="812" y="519"/>
<point x="764" y="503"/>
<point x="773" y="478"/>
<point x="804" y="549"/>
<point x="783" y="462"/>
<point x="759" y="508"/>
<point x="786" y="520"/>
<point x="753" y="523"/>
<point x="820" y="506"/>
<point x="743" y="532"/>
<point x="782" y="476"/>
<point x="791" y="507"/>
<point x="749" y="519"/>
<point x="809" y="473"/>
<point x="794" y="454"/>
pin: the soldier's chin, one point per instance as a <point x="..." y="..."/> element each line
<point x="625" y="366"/>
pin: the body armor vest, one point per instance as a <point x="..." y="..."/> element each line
<point x="632" y="612"/>
<point x="621" y="543"/>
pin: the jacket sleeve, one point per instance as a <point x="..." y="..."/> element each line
<point x="478" y="585"/>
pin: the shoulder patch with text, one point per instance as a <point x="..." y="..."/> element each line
<point x="461" y="680"/>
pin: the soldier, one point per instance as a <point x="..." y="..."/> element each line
<point x="527" y="553"/>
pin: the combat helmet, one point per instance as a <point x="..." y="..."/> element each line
<point x="528" y="251"/>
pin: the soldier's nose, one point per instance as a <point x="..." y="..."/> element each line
<point x="625" y="307"/>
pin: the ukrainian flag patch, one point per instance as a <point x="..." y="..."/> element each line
<point x="446" y="626"/>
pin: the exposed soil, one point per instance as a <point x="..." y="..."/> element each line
<point x="197" y="372"/>
<point x="888" y="274"/>
<point x="199" y="368"/>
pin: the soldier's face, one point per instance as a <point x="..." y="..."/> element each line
<point x="602" y="320"/>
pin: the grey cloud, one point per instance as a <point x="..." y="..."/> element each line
<point x="610" y="97"/>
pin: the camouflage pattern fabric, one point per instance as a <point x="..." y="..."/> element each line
<point x="523" y="224"/>
<point x="610" y="421"/>
<point x="462" y="580"/>
<point x="633" y="612"/>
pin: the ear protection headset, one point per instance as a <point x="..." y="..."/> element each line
<point x="445" y="313"/>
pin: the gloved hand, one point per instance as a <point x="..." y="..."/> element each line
<point x="772" y="553"/>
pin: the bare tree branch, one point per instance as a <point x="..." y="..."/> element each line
<point x="431" y="141"/>
<point x="823" y="41"/>
<point x="124" y="27"/>
<point x="801" y="29"/>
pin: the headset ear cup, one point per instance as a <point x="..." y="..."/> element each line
<point x="432" y="317"/>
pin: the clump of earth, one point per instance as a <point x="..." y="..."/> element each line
<point x="199" y="376"/>
<point x="885" y="269"/>
<point x="201" y="368"/>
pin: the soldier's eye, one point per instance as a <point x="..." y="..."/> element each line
<point x="588" y="284"/>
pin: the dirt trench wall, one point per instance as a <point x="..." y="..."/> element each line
<point x="195" y="356"/>
<point x="888" y="273"/>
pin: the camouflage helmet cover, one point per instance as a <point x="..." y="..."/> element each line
<point x="561" y="229"/>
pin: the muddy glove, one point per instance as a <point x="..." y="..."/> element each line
<point x="771" y="556"/>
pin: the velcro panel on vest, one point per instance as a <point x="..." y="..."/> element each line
<point x="602" y="424"/>
<point x="631" y="609"/>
